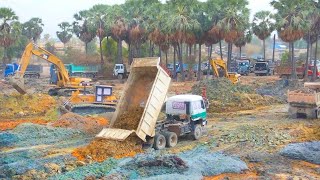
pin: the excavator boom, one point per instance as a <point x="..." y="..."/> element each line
<point x="62" y="73"/>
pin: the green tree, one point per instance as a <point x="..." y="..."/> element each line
<point x="234" y="22"/>
<point x="33" y="28"/>
<point x="292" y="22"/>
<point x="180" y="23"/>
<point x="262" y="27"/>
<point x="83" y="28"/>
<point x="101" y="24"/>
<point x="10" y="29"/>
<point x="66" y="32"/>
<point x="243" y="40"/>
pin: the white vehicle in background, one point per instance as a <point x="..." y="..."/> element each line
<point x="121" y="71"/>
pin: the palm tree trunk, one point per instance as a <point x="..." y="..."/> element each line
<point x="199" y="64"/>
<point x="166" y="58"/>
<point x="221" y="55"/>
<point x="150" y="48"/>
<point x="120" y="51"/>
<point x="181" y="62"/>
<point x="264" y="49"/>
<point x="86" y="49"/>
<point x="306" y="64"/>
<point x="314" y="75"/>
<point x="293" y="61"/>
<point x="160" y="53"/>
<point x="194" y="49"/>
<point x="130" y="53"/>
<point x="240" y="51"/>
<point x="174" y="62"/>
<point x="229" y="56"/>
<point x="210" y="56"/>
<point x="101" y="55"/>
<point x="274" y="46"/>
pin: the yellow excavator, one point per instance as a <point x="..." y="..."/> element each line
<point x="65" y="84"/>
<point x="232" y="76"/>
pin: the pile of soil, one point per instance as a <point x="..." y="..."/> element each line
<point x="17" y="106"/>
<point x="89" y="125"/>
<point x="100" y="149"/>
<point x="224" y="96"/>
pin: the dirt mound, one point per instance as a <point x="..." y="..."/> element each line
<point x="100" y="149"/>
<point x="17" y="106"/>
<point x="88" y="124"/>
<point x="225" y="96"/>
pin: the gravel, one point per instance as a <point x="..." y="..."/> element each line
<point x="308" y="151"/>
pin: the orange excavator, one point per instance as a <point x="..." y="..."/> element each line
<point x="65" y="84"/>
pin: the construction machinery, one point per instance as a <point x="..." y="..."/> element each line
<point x="305" y="102"/>
<point x="234" y="77"/>
<point x="146" y="88"/>
<point x="65" y="84"/>
<point x="101" y="102"/>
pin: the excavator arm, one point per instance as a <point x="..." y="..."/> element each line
<point x="32" y="49"/>
<point x="233" y="77"/>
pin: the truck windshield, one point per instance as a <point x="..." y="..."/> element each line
<point x="117" y="67"/>
<point x="260" y="65"/>
<point x="243" y="64"/>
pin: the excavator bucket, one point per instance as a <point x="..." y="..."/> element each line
<point x="18" y="84"/>
<point x="145" y="90"/>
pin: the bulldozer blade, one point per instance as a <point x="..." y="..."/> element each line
<point x="18" y="84"/>
<point x="114" y="134"/>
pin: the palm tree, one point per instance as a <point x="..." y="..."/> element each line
<point x="83" y="28"/>
<point x="100" y="24"/>
<point x="10" y="28"/>
<point x="66" y="32"/>
<point x="33" y="28"/>
<point x="243" y="40"/>
<point x="262" y="27"/>
<point x="292" y="23"/>
<point x="234" y="22"/>
<point x="179" y="23"/>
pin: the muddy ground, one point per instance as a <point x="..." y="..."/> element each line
<point x="253" y="140"/>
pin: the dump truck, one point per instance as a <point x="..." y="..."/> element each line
<point x="305" y="103"/>
<point x="284" y="71"/>
<point x="32" y="71"/>
<point x="146" y="88"/>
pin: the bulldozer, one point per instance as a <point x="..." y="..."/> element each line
<point x="232" y="76"/>
<point x="65" y="84"/>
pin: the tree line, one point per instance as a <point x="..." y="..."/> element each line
<point x="176" y="24"/>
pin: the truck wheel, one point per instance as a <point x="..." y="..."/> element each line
<point x="292" y="111"/>
<point x="171" y="138"/>
<point x="197" y="133"/>
<point x="120" y="76"/>
<point x="159" y="142"/>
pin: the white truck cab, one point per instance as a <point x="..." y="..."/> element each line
<point x="120" y="71"/>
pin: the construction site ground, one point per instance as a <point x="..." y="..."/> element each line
<point x="248" y="136"/>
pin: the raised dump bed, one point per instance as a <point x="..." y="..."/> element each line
<point x="305" y="102"/>
<point x="139" y="106"/>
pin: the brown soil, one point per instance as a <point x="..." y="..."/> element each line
<point x="100" y="149"/>
<point x="88" y="124"/>
<point x="7" y="125"/>
<point x="130" y="119"/>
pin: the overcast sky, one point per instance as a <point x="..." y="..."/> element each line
<point x="53" y="12"/>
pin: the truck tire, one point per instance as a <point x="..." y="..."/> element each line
<point x="120" y="76"/>
<point x="171" y="138"/>
<point x="292" y="111"/>
<point x="159" y="142"/>
<point x="197" y="133"/>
